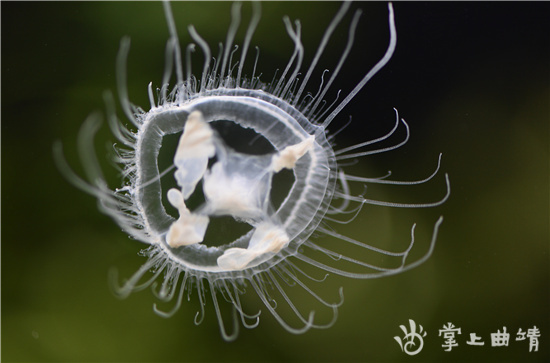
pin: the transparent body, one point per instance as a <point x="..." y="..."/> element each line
<point x="238" y="185"/>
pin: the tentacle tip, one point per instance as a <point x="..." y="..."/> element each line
<point x="125" y="41"/>
<point x="161" y="294"/>
<point x="253" y="325"/>
<point x="116" y="289"/>
<point x="230" y="338"/>
<point x="159" y="312"/>
<point x="310" y="319"/>
<point x="341" y="292"/>
<point x="198" y="318"/>
<point x="390" y="9"/>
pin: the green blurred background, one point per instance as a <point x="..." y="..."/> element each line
<point x="472" y="80"/>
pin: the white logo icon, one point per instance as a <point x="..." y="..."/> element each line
<point x="412" y="339"/>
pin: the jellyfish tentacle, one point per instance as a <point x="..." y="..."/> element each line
<point x="301" y="271"/>
<point x="350" y="240"/>
<point x="373" y="141"/>
<point x="361" y="199"/>
<point x="296" y="38"/>
<point x="206" y="51"/>
<point x="377" y="151"/>
<point x="343" y="57"/>
<point x="121" y="80"/>
<point x="122" y="133"/>
<point x="169" y="284"/>
<point x="381" y="63"/>
<point x="310" y="291"/>
<point x="175" y="41"/>
<point x="320" y="49"/>
<point x="158" y="270"/>
<point x="233" y="26"/>
<point x="254" y="20"/>
<point x="296" y="311"/>
<point x="169" y="55"/>
<point x="298" y="52"/>
<point x="237" y="303"/>
<point x="355" y="211"/>
<point x="126" y="289"/>
<point x="401" y="269"/>
<point x="177" y="306"/>
<point x="349" y="259"/>
<point x="308" y="325"/>
<point x="188" y="50"/>
<point x="199" y="317"/>
<point x="324" y="110"/>
<point x="395" y="182"/>
<point x="227" y="337"/>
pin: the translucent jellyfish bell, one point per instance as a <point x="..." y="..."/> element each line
<point x="236" y="184"/>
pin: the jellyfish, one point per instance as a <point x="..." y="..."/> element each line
<point x="283" y="186"/>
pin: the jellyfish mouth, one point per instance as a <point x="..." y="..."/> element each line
<point x="234" y="182"/>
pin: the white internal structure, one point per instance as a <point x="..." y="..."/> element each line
<point x="236" y="184"/>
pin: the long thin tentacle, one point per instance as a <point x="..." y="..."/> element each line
<point x="381" y="63"/>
